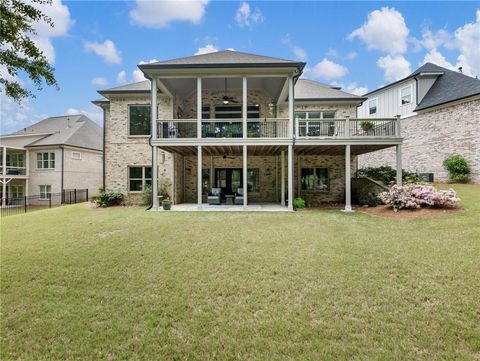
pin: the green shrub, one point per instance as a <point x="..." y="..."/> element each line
<point x="299" y="203"/>
<point x="387" y="175"/>
<point x="458" y="169"/>
<point x="108" y="199"/>
<point x="147" y="195"/>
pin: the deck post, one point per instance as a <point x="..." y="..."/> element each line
<point x="398" y="127"/>
<point x="244" y="108"/>
<point x="199" y="108"/>
<point x="153" y="115"/>
<point x="347" y="126"/>
<point x="399" y="164"/>
<point x="282" y="178"/>
<point x="199" y="176"/>
<point x="290" y="177"/>
<point x="4" y="161"/>
<point x="291" y="106"/>
<point x="245" y="177"/>
<point x="348" y="180"/>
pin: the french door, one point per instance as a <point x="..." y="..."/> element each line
<point x="229" y="179"/>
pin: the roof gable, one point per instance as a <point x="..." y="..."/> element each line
<point x="312" y="90"/>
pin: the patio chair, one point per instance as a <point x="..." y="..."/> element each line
<point x="239" y="196"/>
<point x="214" y="196"/>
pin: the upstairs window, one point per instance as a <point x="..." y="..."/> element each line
<point x="372" y="107"/>
<point x="406" y="95"/>
<point x="46" y="160"/>
<point x="139" y="119"/>
<point x="15" y="160"/>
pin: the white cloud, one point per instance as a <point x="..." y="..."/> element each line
<point x="107" y="50"/>
<point x="244" y="16"/>
<point x="394" y="67"/>
<point x="333" y="53"/>
<point x="93" y="112"/>
<point x="353" y="88"/>
<point x="17" y="116"/>
<point x="385" y="30"/>
<point x="351" y="55"/>
<point x="433" y="39"/>
<point x="467" y="39"/>
<point x="99" y="81"/>
<point x="137" y="75"/>
<point x="328" y="70"/>
<point x="298" y="52"/>
<point x="158" y="14"/>
<point x="434" y="56"/>
<point x="60" y="16"/>
<point x="122" y="77"/>
<point x="209" y="48"/>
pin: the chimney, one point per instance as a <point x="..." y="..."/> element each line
<point x="460" y="69"/>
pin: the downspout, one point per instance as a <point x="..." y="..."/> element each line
<point x="103" y="151"/>
<point x="416" y="91"/>
<point x="150" y="143"/>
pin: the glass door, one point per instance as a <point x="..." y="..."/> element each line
<point x="229" y="179"/>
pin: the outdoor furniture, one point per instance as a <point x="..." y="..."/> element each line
<point x="239" y="196"/>
<point x="214" y="196"/>
<point x="229" y="199"/>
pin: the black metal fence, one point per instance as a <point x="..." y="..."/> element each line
<point x="11" y="206"/>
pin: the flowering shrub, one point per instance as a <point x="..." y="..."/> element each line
<point x="418" y="195"/>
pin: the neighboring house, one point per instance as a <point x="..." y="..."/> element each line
<point x="53" y="155"/>
<point x="232" y="120"/>
<point x="440" y="112"/>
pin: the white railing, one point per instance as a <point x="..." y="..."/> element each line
<point x="347" y="128"/>
<point x="13" y="171"/>
<point x="223" y="128"/>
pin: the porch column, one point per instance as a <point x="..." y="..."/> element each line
<point x="4" y="192"/>
<point x="4" y="161"/>
<point x="290" y="177"/>
<point x="348" y="179"/>
<point x="399" y="165"/>
<point x="199" y="176"/>
<point x="153" y="115"/>
<point x="282" y="178"/>
<point x="245" y="176"/>
<point x="244" y="108"/>
<point x="290" y="107"/>
<point x="199" y="108"/>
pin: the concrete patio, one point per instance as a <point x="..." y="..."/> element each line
<point x="258" y="207"/>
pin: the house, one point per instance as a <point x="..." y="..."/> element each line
<point x="440" y="111"/>
<point x="53" y="155"/>
<point x="244" y="124"/>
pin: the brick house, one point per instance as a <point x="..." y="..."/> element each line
<point x="242" y="123"/>
<point x="440" y="112"/>
<point x="49" y="157"/>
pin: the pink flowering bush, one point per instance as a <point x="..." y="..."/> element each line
<point x="418" y="195"/>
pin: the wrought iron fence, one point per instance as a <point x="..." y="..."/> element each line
<point x="11" y="206"/>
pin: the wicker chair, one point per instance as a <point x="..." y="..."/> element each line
<point x="239" y="196"/>
<point x="214" y="197"/>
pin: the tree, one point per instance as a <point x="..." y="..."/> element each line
<point x="18" y="51"/>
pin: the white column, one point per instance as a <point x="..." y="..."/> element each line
<point x="290" y="176"/>
<point x="199" y="176"/>
<point x="4" y="192"/>
<point x="282" y="178"/>
<point x="290" y="106"/>
<point x="348" y="179"/>
<point x="245" y="176"/>
<point x="398" y="127"/>
<point x="244" y="107"/>
<point x="4" y="161"/>
<point x="399" y="165"/>
<point x="199" y="108"/>
<point x="27" y="162"/>
<point x="153" y="115"/>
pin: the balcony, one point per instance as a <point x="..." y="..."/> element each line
<point x="222" y="128"/>
<point x="15" y="171"/>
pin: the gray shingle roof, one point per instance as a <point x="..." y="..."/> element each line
<point x="312" y="90"/>
<point x="73" y="130"/>
<point x="139" y="87"/>
<point x="449" y="87"/>
<point x="223" y="58"/>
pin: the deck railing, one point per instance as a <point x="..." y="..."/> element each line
<point x="222" y="128"/>
<point x="347" y="128"/>
<point x="13" y="171"/>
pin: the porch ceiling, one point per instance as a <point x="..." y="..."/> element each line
<point x="338" y="149"/>
<point x="235" y="150"/>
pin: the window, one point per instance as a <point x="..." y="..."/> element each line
<point x="253" y="180"/>
<point x="315" y="179"/>
<point x="46" y="160"/>
<point x="138" y="178"/>
<point x="406" y="95"/>
<point x="309" y="123"/>
<point x="76" y="155"/>
<point x="45" y="192"/>
<point x="17" y="191"/>
<point x="15" y="160"/>
<point x="372" y="106"/>
<point x="139" y="119"/>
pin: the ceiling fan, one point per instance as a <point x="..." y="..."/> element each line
<point x="226" y="99"/>
<point x="227" y="157"/>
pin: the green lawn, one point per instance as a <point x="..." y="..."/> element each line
<point x="79" y="283"/>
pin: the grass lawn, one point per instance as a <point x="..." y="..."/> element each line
<point x="79" y="283"/>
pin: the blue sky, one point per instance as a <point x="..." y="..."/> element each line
<point x="357" y="45"/>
